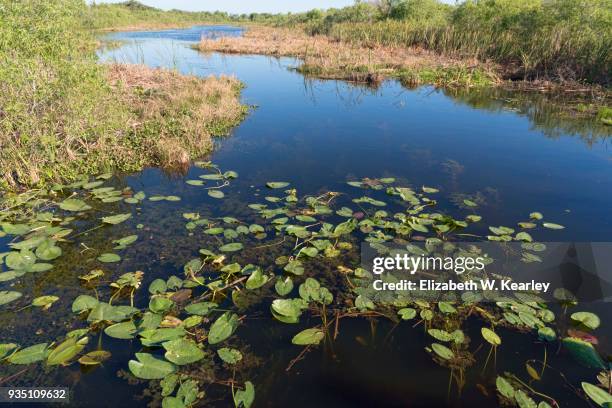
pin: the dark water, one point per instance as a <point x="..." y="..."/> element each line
<point x="509" y="151"/>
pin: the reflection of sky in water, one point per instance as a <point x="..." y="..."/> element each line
<point x="318" y="134"/>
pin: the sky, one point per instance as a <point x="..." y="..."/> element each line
<point x="241" y="6"/>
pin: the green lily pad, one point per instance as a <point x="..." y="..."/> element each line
<point x="74" y="204"/>
<point x="308" y="337"/>
<point x="407" y="313"/>
<point x="598" y="395"/>
<point x="233" y="247"/>
<point x="590" y="320"/>
<point x="150" y="368"/>
<point x="244" y="398"/>
<point x="229" y="355"/>
<point x="490" y="336"/>
<point x="223" y="328"/>
<point x="200" y="309"/>
<point x="256" y="280"/>
<point x="216" y="193"/>
<point x="8" y="296"/>
<point x="116" y="219"/>
<point x="66" y="351"/>
<point x="30" y="354"/>
<point x="182" y="351"/>
<point x="442" y="351"/>
<point x="95" y="357"/>
<point x="109" y="258"/>
<point x="124" y="330"/>
<point x="283" y="286"/>
<point x="277" y="184"/>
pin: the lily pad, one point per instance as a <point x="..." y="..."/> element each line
<point x="74" y="204"/>
<point x="30" y="354"/>
<point x="233" y="247"/>
<point x="116" y="219"/>
<point x="182" y="351"/>
<point x="244" y="398"/>
<point x="148" y="367"/>
<point x="308" y="337"/>
<point x="223" y="328"/>
<point x="229" y="355"/>
<point x="490" y="336"/>
<point x="216" y="193"/>
<point x="66" y="351"/>
<point x="277" y="184"/>
<point x="8" y="296"/>
<point x="109" y="258"/>
<point x="442" y="351"/>
<point x="590" y="320"/>
<point x="598" y="395"/>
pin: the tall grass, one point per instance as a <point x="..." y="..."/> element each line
<point x="558" y="39"/>
<point x="132" y="14"/>
<point x="63" y="115"/>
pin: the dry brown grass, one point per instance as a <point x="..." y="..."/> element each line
<point x="181" y="114"/>
<point x="145" y="117"/>
<point x="327" y="58"/>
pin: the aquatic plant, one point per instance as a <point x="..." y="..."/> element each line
<point x="309" y="268"/>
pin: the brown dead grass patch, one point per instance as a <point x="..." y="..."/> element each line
<point x="325" y="57"/>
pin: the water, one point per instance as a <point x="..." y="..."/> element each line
<point x="508" y="151"/>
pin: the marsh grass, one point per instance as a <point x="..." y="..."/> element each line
<point x="324" y="57"/>
<point x="63" y="115"/>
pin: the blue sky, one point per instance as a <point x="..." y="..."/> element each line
<point x="241" y="6"/>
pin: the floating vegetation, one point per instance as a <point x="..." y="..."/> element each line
<point x="296" y="257"/>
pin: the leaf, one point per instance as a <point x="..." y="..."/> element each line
<point x="47" y="251"/>
<point x="160" y="304"/>
<point x="223" y="328"/>
<point x="29" y="355"/>
<point x="256" y="280"/>
<point x="66" y="350"/>
<point x="154" y="337"/>
<point x="200" y="309"/>
<point x="583" y="352"/>
<point x="523" y="400"/>
<point x="44" y="301"/>
<point x="233" y="247"/>
<point x="590" y="320"/>
<point x="532" y="372"/>
<point x="73" y="204"/>
<point x="430" y="190"/>
<point x="94" y="357"/>
<point x="244" y="398"/>
<point x="536" y="215"/>
<point x="598" y="395"/>
<point x="504" y="387"/>
<point x="283" y="286"/>
<point x="182" y="351"/>
<point x="547" y="333"/>
<point x="446" y="307"/>
<point x="124" y="330"/>
<point x="216" y="193"/>
<point x="6" y="349"/>
<point x="8" y="296"/>
<point x="490" y="336"/>
<point x="295" y="267"/>
<point x="277" y="184"/>
<point x="21" y="260"/>
<point x="109" y="258"/>
<point x="407" y="313"/>
<point x="229" y="355"/>
<point x="551" y="225"/>
<point x="442" y="351"/>
<point x="83" y="302"/>
<point x="116" y="219"/>
<point x="150" y="368"/>
<point x="441" y="335"/>
<point x="308" y="337"/>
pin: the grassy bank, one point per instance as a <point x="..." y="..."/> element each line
<point x="325" y="58"/>
<point x="62" y="114"/>
<point x="132" y="15"/>
<point x="560" y="40"/>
